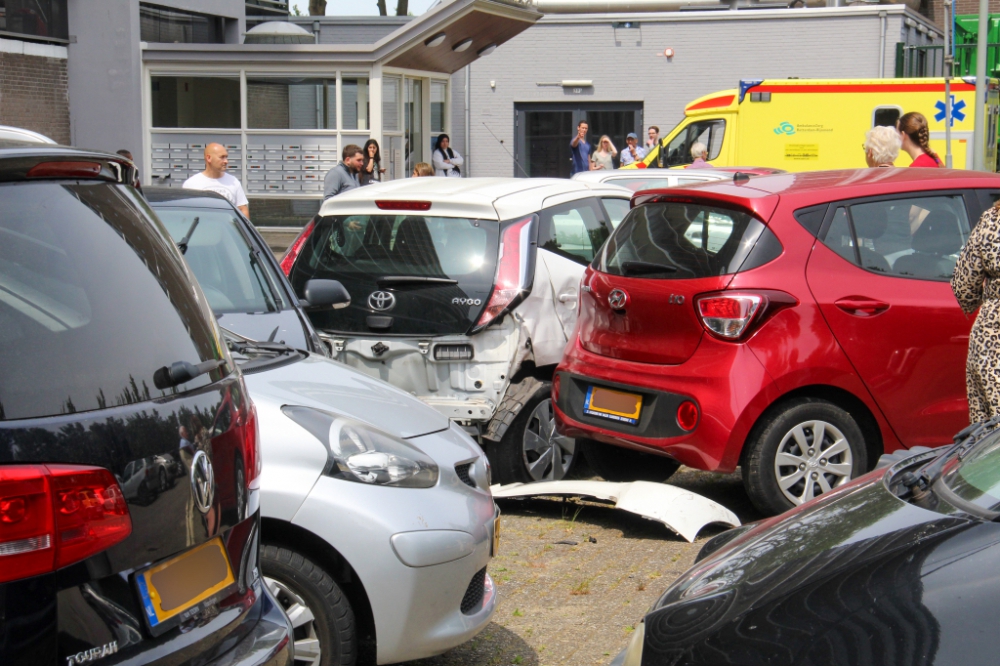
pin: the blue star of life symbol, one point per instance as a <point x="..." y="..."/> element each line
<point x="956" y="110"/>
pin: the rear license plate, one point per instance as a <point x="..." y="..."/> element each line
<point x="172" y="589"/>
<point x="614" y="405"/>
<point x="495" y="548"/>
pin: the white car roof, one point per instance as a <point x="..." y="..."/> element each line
<point x="602" y="176"/>
<point x="478" y="198"/>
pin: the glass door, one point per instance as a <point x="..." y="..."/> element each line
<point x="413" y="123"/>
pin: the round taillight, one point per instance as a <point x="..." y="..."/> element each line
<point x="687" y="415"/>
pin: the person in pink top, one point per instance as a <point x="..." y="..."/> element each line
<point x="916" y="136"/>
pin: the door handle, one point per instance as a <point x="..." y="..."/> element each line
<point x="861" y="306"/>
<point x="566" y="298"/>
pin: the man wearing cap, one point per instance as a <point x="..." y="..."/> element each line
<point x="632" y="152"/>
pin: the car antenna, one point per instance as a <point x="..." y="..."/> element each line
<point x="183" y="243"/>
<point x="740" y="177"/>
<point x="500" y="141"/>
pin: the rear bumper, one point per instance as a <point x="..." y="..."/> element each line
<point x="268" y="644"/>
<point x="726" y="381"/>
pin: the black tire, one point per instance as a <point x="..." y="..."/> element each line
<point x="333" y="623"/>
<point x="614" y="463"/>
<point x="163" y="479"/>
<point x="529" y="438"/>
<point x="819" y="470"/>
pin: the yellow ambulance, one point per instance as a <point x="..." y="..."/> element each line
<point x="813" y="124"/>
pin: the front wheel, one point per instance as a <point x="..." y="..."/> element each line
<point x="322" y="619"/>
<point x="806" y="448"/>
<point x="531" y="449"/>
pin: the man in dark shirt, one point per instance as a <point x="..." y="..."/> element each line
<point x="580" y="149"/>
<point x="344" y="176"/>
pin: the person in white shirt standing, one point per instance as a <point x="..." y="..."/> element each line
<point x="446" y="159"/>
<point x="216" y="179"/>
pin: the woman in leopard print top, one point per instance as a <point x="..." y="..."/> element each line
<point x="976" y="284"/>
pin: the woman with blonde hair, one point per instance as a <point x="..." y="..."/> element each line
<point x="882" y="146"/>
<point x="916" y="136"/>
<point x="603" y="157"/>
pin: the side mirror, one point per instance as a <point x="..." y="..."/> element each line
<point x="325" y="293"/>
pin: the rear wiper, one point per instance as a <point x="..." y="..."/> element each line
<point x="645" y="268"/>
<point x="180" y="372"/>
<point x="390" y="280"/>
<point x="183" y="243"/>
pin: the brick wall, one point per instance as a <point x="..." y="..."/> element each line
<point x="934" y="9"/>
<point x="34" y="94"/>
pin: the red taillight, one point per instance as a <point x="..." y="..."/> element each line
<point x="403" y="205"/>
<point x="513" y="279"/>
<point x="65" y="170"/>
<point x="731" y="315"/>
<point x="687" y="415"/>
<point x="727" y="315"/>
<point x="293" y="251"/>
<point x="52" y="516"/>
<point x="251" y="446"/>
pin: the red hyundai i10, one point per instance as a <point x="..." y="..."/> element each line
<point x="796" y="325"/>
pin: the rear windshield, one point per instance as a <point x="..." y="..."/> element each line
<point x="228" y="269"/>
<point x="93" y="300"/>
<point x="370" y="253"/>
<point x="673" y="240"/>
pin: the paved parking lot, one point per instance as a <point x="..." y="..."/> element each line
<point x="576" y="603"/>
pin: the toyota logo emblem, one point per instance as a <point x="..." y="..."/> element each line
<point x="617" y="299"/>
<point x="381" y="301"/>
<point x="202" y="481"/>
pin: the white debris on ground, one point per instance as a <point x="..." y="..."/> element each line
<point x="681" y="511"/>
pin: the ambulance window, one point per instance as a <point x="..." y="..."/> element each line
<point x="708" y="132"/>
<point x="886" y="116"/>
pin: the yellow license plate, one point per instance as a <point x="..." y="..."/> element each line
<point x="614" y="405"/>
<point x="496" y="535"/>
<point x="169" y="588"/>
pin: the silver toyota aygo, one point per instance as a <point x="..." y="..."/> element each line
<point x="377" y="521"/>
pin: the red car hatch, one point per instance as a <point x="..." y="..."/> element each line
<point x="641" y="304"/>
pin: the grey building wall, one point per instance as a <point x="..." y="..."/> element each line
<point x="105" y="68"/>
<point x="350" y="29"/>
<point x="713" y="51"/>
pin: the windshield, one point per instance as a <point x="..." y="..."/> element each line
<point x="423" y="274"/>
<point x="976" y="477"/>
<point x="228" y="269"/>
<point x="686" y="240"/>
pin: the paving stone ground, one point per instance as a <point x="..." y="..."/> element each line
<point x="577" y="604"/>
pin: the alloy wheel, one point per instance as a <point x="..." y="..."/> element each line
<point x="547" y="454"/>
<point x="813" y="458"/>
<point x="306" y="641"/>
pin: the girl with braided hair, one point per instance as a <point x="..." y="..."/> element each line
<point x="916" y="136"/>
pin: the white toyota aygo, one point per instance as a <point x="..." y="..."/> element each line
<point x="464" y="292"/>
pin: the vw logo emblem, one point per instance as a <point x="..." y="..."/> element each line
<point x="202" y="481"/>
<point x="381" y="301"/>
<point x="617" y="299"/>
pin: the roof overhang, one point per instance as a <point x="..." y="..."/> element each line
<point x="486" y="22"/>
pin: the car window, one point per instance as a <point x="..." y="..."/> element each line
<point x="616" y="209"/>
<point x="232" y="275"/>
<point x="93" y="301"/>
<point x="575" y="230"/>
<point x="886" y="116"/>
<point x="913" y="237"/>
<point x="689" y="240"/>
<point x="708" y="132"/>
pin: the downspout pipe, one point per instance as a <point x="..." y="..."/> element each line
<point x="468" y="117"/>
<point x="884" y="19"/>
